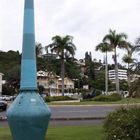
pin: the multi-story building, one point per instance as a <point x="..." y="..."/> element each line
<point x="122" y="75"/>
<point x="49" y="56"/>
<point x="52" y="83"/>
<point x="1" y="74"/>
<point x="48" y="80"/>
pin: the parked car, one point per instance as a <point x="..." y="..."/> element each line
<point x="3" y="105"/>
<point x="7" y="98"/>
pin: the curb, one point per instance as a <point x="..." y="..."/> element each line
<point x="77" y="118"/>
<point x="105" y="105"/>
<point x="65" y="119"/>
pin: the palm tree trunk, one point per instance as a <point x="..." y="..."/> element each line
<point x="106" y="75"/>
<point x="128" y="77"/>
<point x="116" y="74"/>
<point x="62" y="75"/>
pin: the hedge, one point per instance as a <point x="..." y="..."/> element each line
<point x="108" y="98"/>
<point x="57" y="98"/>
<point x="123" y="124"/>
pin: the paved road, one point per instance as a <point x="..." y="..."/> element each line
<point x="74" y="112"/>
<point x="78" y="111"/>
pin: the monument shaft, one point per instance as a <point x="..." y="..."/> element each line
<point x="28" y="69"/>
<point x="28" y="116"/>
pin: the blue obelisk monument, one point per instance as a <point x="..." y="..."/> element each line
<point x="28" y="116"/>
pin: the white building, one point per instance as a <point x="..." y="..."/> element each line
<point x="134" y="77"/>
<point x="122" y="75"/>
<point x="53" y="83"/>
<point x="1" y="74"/>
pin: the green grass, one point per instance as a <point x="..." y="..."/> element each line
<point x="123" y="101"/>
<point x="66" y="133"/>
<point x="5" y="134"/>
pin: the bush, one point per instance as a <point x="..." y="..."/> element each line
<point x="57" y="98"/>
<point x="98" y="92"/>
<point x="123" y="124"/>
<point x="91" y="94"/>
<point x="87" y="96"/>
<point x="108" y="98"/>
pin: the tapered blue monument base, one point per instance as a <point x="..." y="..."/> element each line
<point x="28" y="116"/>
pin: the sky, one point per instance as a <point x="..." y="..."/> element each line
<point x="88" y="21"/>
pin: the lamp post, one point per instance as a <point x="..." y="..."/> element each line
<point x="28" y="116"/>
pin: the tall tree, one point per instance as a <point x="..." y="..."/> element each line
<point x="65" y="48"/>
<point x="89" y="64"/>
<point x="39" y="49"/>
<point x="137" y="45"/>
<point x="115" y="40"/>
<point x="127" y="58"/>
<point x="104" y="47"/>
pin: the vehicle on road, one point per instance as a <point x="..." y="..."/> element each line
<point x="3" y="105"/>
<point x="7" y="97"/>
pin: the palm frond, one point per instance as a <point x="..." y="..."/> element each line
<point x="103" y="47"/>
<point x="61" y="45"/>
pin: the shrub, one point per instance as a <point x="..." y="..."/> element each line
<point x="57" y="98"/>
<point x="108" y="98"/>
<point x="98" y="92"/>
<point x="123" y="124"/>
<point x="91" y="94"/>
<point x="87" y="96"/>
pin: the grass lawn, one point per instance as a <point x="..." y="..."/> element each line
<point x="123" y="101"/>
<point x="66" y="133"/>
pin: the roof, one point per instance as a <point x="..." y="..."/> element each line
<point x="45" y="74"/>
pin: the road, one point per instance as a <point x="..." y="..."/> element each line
<point x="74" y="112"/>
<point x="78" y="111"/>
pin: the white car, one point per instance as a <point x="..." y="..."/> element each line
<point x="6" y="98"/>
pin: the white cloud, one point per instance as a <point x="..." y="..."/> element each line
<point x="86" y="20"/>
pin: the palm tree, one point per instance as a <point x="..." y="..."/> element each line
<point x="39" y="49"/>
<point x="135" y="88"/>
<point x="104" y="47"/>
<point x="63" y="47"/>
<point x="115" y="40"/>
<point x="127" y="58"/>
<point x="137" y="45"/>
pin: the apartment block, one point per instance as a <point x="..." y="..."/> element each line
<point x="122" y="75"/>
<point x="53" y="83"/>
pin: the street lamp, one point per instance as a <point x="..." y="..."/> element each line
<point x="28" y="116"/>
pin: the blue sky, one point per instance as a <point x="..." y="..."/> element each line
<point x="86" y="20"/>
